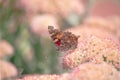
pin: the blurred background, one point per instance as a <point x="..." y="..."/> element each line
<point x="25" y="44"/>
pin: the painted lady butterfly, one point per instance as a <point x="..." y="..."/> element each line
<point x="64" y="40"/>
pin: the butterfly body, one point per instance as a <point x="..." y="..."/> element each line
<point x="64" y="40"/>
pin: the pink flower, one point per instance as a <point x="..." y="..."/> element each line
<point x="5" y="49"/>
<point x="64" y="76"/>
<point x="93" y="46"/>
<point x="110" y="25"/>
<point x="90" y="71"/>
<point x="108" y="51"/>
<point x="100" y="23"/>
<point x="119" y="74"/>
<point x="7" y="70"/>
<point x="115" y="21"/>
<point x="39" y="24"/>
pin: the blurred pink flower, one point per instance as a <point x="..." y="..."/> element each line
<point x="101" y="23"/>
<point x="115" y="20"/>
<point x="105" y="8"/>
<point x="64" y="76"/>
<point x="40" y="77"/>
<point x="119" y="74"/>
<point x="53" y="6"/>
<point x="7" y="70"/>
<point x="90" y="71"/>
<point x="0" y="1"/>
<point x="109" y="24"/>
<point x="39" y="24"/>
<point x="5" y="49"/>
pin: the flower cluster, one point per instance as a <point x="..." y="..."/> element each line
<point x="53" y="6"/>
<point x="94" y="50"/>
<point x="95" y="44"/>
<point x="90" y="71"/>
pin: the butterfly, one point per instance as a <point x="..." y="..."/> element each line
<point x="64" y="40"/>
